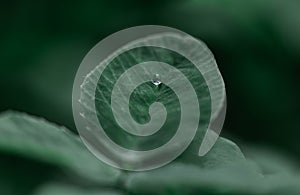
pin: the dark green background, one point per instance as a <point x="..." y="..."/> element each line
<point x="256" y="45"/>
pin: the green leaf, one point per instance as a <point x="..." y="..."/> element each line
<point x="212" y="177"/>
<point x="40" y="140"/>
<point x="223" y="153"/>
<point x="33" y="151"/>
<point x="180" y="178"/>
<point x="222" y="170"/>
<point x="65" y="189"/>
<point x="199" y="69"/>
<point x="37" y="139"/>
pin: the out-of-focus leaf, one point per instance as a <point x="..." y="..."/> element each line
<point x="189" y="179"/>
<point x="37" y="139"/>
<point x="221" y="170"/>
<point x="66" y="189"/>
<point x="224" y="170"/>
<point x="271" y="161"/>
<point x="281" y="172"/>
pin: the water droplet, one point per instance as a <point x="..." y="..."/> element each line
<point x="156" y="80"/>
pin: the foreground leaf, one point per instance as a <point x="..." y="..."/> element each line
<point x="37" y="139"/>
<point x="222" y="170"/>
<point x="64" y="189"/>
<point x="39" y="150"/>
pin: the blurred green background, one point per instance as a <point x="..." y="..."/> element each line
<point x="256" y="44"/>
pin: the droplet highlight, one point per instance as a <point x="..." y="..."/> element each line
<point x="156" y="80"/>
